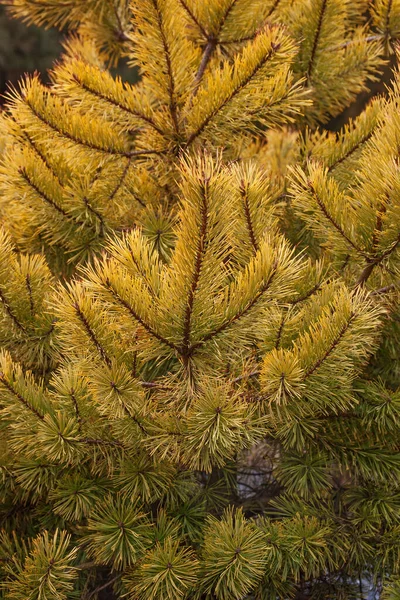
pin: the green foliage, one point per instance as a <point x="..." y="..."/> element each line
<point x="117" y="528"/>
<point x="234" y="555"/>
<point x="199" y="368"/>
<point x="47" y="572"/>
<point x="166" y="571"/>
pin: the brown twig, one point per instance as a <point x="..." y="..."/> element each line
<point x="104" y="586"/>
<point x="246" y="376"/>
<point x="384" y="290"/>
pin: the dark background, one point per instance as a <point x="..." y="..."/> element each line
<point x="24" y="49"/>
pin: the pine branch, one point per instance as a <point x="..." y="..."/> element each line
<point x="55" y="13"/>
<point x="387" y="18"/>
<point x="128" y="412"/>
<point x="207" y="54"/>
<point x="379" y="220"/>
<point x="365" y="274"/>
<point x="97" y="214"/>
<point x="212" y="43"/>
<point x="142" y="273"/>
<point x="193" y="17"/>
<point x="246" y="376"/>
<point x="373" y="262"/>
<point x="76" y="408"/>
<point x="139" y="319"/>
<point x="331" y="348"/>
<point x="40" y="154"/>
<point x="45" y="335"/>
<point x="245" y="200"/>
<point x="316" y="40"/>
<point x="228" y="11"/>
<point x="138" y="200"/>
<point x="280" y="330"/>
<point x="201" y="245"/>
<point x="389" y="250"/>
<point x="330" y="218"/>
<point x="92" y="335"/>
<point x="29" y="290"/>
<point x="97" y="94"/>
<point x="193" y="136"/>
<point x="19" y="397"/>
<point x="61" y="131"/>
<point x="120" y="33"/>
<point x="121" y="180"/>
<point x="384" y="290"/>
<point x="90" y="145"/>
<point x="140" y="270"/>
<point x="10" y="313"/>
<point x="273" y="7"/>
<point x="104" y="586"/>
<point x="307" y="295"/>
<point x="25" y="175"/>
<point x="100" y="442"/>
<point x="350" y="151"/>
<point x="368" y="39"/>
<point x="172" y="101"/>
<point x="233" y="320"/>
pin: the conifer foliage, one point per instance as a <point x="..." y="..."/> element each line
<point x="199" y="368"/>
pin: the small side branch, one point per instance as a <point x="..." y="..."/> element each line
<point x="247" y="213"/>
<point x="273" y="8"/>
<point x="104" y="586"/>
<point x="30" y="294"/>
<point x="193" y="136"/>
<point x="250" y="375"/>
<point x="280" y="330"/>
<point x="193" y="17"/>
<point x="100" y="442"/>
<point x="76" y="409"/>
<point x="228" y="323"/>
<point x="92" y="336"/>
<point x="90" y="145"/>
<point x="331" y="348"/>
<point x="332" y="220"/>
<point x="91" y="90"/>
<point x="10" y="313"/>
<point x="39" y="153"/>
<point x="19" y="397"/>
<point x="350" y="151"/>
<point x="139" y="319"/>
<point x="199" y="256"/>
<point x="121" y="180"/>
<point x="316" y="40"/>
<point x="122" y="37"/>
<point x="306" y="295"/>
<point x="365" y="275"/>
<point x="384" y="290"/>
<point x="387" y="19"/>
<point x="96" y="213"/>
<point x="167" y="55"/>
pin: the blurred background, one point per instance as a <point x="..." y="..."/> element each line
<point x="24" y="49"/>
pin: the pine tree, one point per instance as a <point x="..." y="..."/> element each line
<point x="199" y="372"/>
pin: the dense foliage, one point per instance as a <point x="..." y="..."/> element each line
<point x="199" y="380"/>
